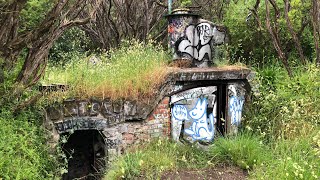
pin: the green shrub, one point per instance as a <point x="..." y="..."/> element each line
<point x="252" y="44"/>
<point x="284" y="107"/>
<point x="285" y="111"/>
<point x="23" y="150"/>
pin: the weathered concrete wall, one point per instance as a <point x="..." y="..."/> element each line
<point x="194" y="105"/>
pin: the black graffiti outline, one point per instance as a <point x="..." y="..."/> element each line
<point x="199" y="30"/>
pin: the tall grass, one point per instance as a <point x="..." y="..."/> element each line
<point x="286" y="112"/>
<point x="285" y="107"/>
<point x="293" y="159"/>
<point x="150" y="160"/>
<point x="244" y="150"/>
<point x="134" y="70"/>
<point x="23" y="150"/>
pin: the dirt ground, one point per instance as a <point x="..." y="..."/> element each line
<point x="221" y="172"/>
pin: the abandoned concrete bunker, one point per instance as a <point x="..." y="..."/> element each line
<point x="195" y="104"/>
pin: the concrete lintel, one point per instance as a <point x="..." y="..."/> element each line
<point x="213" y="73"/>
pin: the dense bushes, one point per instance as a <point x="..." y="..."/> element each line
<point x="285" y="107"/>
<point x="285" y="111"/>
<point x="23" y="150"/>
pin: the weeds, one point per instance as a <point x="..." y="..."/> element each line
<point x="135" y="70"/>
<point x="23" y="151"/>
<point x="284" y="107"/>
<point x="293" y="159"/>
<point x="156" y="157"/>
<point x="244" y="150"/>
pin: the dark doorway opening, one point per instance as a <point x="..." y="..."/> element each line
<point x="85" y="150"/>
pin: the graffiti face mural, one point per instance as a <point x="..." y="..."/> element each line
<point x="202" y="128"/>
<point x="194" y="114"/>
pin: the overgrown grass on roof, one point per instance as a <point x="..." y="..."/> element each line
<point x="134" y="70"/>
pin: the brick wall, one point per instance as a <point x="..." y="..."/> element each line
<point x="159" y="120"/>
<point x="132" y="133"/>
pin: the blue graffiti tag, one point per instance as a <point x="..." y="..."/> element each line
<point x="200" y="129"/>
<point x="235" y="109"/>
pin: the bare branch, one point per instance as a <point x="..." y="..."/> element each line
<point x="275" y="38"/>
<point x="292" y="32"/>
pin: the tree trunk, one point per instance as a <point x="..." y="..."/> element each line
<point x="293" y="34"/>
<point x="125" y="19"/>
<point x="38" y="41"/>
<point x="274" y="32"/>
<point x="9" y="24"/>
<point x="316" y="28"/>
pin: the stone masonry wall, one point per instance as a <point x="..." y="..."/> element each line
<point x="118" y="136"/>
<point x="156" y="125"/>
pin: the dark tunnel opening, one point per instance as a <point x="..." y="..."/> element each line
<point x="85" y="150"/>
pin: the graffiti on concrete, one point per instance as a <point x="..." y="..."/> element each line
<point x="196" y="42"/>
<point x="176" y="28"/>
<point x="202" y="128"/>
<point x="236" y="102"/>
<point x="235" y="107"/>
<point x="194" y="114"/>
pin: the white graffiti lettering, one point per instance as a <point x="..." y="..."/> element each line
<point x="161" y="116"/>
<point x="235" y="108"/>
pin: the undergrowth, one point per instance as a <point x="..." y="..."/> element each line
<point x="23" y="150"/>
<point x="284" y="107"/>
<point x="135" y="70"/>
<point x="151" y="159"/>
<point x="245" y="150"/>
<point x="292" y="159"/>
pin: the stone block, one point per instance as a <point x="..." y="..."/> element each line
<point x="70" y="108"/>
<point x="117" y="106"/>
<point x="83" y="108"/>
<point x="107" y="108"/>
<point x="123" y="128"/>
<point x="115" y="119"/>
<point x="130" y="129"/>
<point x="95" y="108"/>
<point x="54" y="113"/>
<point x="110" y="132"/>
<point x="130" y="108"/>
<point x="128" y="138"/>
<point x="111" y="143"/>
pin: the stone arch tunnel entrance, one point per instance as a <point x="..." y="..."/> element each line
<point x="85" y="150"/>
